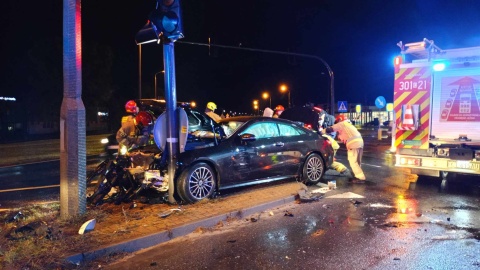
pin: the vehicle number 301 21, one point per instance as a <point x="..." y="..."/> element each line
<point x="412" y="85"/>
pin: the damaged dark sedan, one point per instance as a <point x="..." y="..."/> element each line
<point x="254" y="150"/>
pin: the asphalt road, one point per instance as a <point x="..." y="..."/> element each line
<point x="387" y="223"/>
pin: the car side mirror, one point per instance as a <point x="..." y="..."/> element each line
<point x="247" y="137"/>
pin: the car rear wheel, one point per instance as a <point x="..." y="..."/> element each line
<point x="313" y="169"/>
<point x="197" y="183"/>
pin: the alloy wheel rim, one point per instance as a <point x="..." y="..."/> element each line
<point x="201" y="183"/>
<point x="314" y="168"/>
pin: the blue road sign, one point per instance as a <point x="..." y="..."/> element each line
<point x="380" y="102"/>
<point x="342" y="106"/>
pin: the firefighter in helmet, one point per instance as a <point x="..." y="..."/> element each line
<point x="136" y="132"/>
<point x="210" y="111"/>
<point x="349" y="135"/>
<point x="131" y="109"/>
<point x="278" y="111"/>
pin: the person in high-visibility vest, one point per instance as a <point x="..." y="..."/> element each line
<point x="337" y="166"/>
<point x="353" y="140"/>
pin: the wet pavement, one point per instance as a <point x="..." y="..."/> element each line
<point x="372" y="226"/>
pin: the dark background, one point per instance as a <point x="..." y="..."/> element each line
<point x="356" y="38"/>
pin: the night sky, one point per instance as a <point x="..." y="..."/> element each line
<point x="356" y="38"/>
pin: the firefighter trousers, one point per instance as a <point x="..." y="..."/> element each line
<point x="355" y="160"/>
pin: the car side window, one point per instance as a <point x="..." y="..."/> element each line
<point x="193" y="120"/>
<point x="263" y="130"/>
<point x="289" y="131"/>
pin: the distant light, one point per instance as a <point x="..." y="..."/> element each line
<point x="102" y="113"/>
<point x="389" y="107"/>
<point x="8" y="98"/>
<point x="439" y="66"/>
<point x="358" y="108"/>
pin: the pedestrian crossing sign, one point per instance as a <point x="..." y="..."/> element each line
<point x="342" y="106"/>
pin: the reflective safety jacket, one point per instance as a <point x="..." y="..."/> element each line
<point x="348" y="134"/>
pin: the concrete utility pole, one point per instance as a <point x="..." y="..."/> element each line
<point x="330" y="71"/>
<point x="73" y="147"/>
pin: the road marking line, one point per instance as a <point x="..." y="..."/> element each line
<point x="376" y="166"/>
<point x="27" y="188"/>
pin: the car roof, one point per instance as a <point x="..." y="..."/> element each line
<point x="247" y="118"/>
<point x="243" y="118"/>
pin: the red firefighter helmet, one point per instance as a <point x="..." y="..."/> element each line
<point x="144" y="119"/>
<point x="340" y="118"/>
<point x="131" y="106"/>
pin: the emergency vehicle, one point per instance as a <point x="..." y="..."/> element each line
<point x="437" y="109"/>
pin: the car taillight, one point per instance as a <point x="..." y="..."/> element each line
<point x="477" y="155"/>
<point x="327" y="143"/>
<point x="308" y="126"/>
<point x="410" y="161"/>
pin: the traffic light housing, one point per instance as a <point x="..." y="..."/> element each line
<point x="147" y="34"/>
<point x="163" y="23"/>
<point x="167" y="19"/>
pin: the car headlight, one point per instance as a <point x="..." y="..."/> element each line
<point x="104" y="140"/>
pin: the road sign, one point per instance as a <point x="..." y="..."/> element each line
<point x="380" y="102"/>
<point x="342" y="106"/>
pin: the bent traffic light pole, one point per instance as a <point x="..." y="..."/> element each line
<point x="330" y="71"/>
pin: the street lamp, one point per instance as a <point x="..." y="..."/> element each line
<point x="284" y="88"/>
<point x="155" y="79"/>
<point x="265" y="96"/>
<point x="255" y="105"/>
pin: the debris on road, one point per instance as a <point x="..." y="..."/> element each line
<point x="306" y="196"/>
<point x="355" y="202"/>
<point x="288" y="214"/>
<point x="87" y="226"/>
<point x="14" y="217"/>
<point x="169" y="212"/>
<point x="318" y="232"/>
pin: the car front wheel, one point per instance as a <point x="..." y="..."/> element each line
<point x="197" y="183"/>
<point x="313" y="169"/>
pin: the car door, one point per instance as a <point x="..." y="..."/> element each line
<point x="295" y="147"/>
<point x="264" y="154"/>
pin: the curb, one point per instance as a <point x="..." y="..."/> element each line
<point x="166" y="235"/>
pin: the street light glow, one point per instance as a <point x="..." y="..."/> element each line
<point x="267" y="95"/>
<point x="284" y="88"/>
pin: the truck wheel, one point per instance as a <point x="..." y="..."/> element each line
<point x="313" y="169"/>
<point x="196" y="183"/>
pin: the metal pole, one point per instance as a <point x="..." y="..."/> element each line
<point x="155" y="86"/>
<point x="289" y="104"/>
<point x="172" y="126"/>
<point x="330" y="71"/>
<point x="270" y="102"/>
<point x="139" y="71"/>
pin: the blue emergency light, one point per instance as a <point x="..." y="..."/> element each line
<point x="439" y="66"/>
